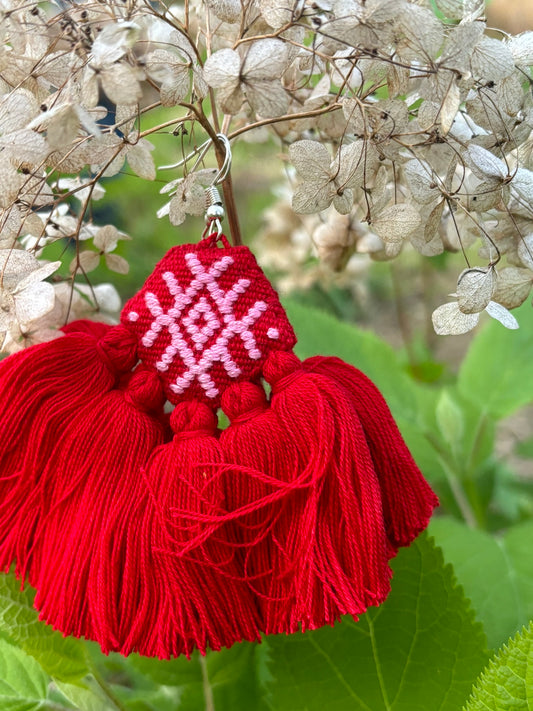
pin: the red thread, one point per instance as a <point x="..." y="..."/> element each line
<point x="192" y="593"/>
<point x="408" y="500"/>
<point x="317" y="547"/>
<point x="83" y="578"/>
<point x="97" y="329"/>
<point x="41" y="389"/>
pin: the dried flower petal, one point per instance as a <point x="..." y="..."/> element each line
<point x="475" y="288"/>
<point x="113" y="42"/>
<point x="513" y="286"/>
<point x="87" y="261"/>
<point x="395" y="223"/>
<point x="521" y="48"/>
<point x="485" y="164"/>
<point x="140" y="160"/>
<point x="448" y="320"/>
<point x="117" y="263"/>
<point x="501" y="314"/>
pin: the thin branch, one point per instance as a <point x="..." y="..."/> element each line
<point x="285" y="117"/>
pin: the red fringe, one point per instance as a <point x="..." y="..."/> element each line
<point x="257" y="494"/>
<point x="323" y="551"/>
<point x="286" y="523"/>
<point x="91" y="478"/>
<point x="408" y="500"/>
<point x="41" y="390"/>
<point x="190" y="579"/>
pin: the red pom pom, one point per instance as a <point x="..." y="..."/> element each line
<point x="97" y="329"/>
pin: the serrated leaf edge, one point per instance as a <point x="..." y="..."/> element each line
<point x="496" y="660"/>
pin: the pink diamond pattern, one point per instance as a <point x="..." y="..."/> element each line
<point x="197" y="368"/>
<point x="207" y="317"/>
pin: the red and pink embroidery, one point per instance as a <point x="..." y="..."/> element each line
<point x="202" y="325"/>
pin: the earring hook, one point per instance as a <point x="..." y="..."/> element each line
<point x="226" y="165"/>
<point x="201" y="151"/>
<point x="214" y="212"/>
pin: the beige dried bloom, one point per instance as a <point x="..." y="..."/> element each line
<point x="25" y="297"/>
<point x="402" y="127"/>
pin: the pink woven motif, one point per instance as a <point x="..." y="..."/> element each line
<point x="206" y="317"/>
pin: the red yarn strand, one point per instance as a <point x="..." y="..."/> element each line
<point x="325" y="551"/>
<point x="408" y="500"/>
<point x="194" y="594"/>
<point x="93" y="473"/>
<point x="41" y="390"/>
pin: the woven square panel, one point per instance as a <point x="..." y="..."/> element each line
<point x="205" y="318"/>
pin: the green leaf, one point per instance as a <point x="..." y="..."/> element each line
<point x="23" y="684"/>
<point x="497" y="372"/>
<point x="173" y="672"/>
<point x="62" y="657"/>
<point x="496" y="573"/>
<point x="162" y="698"/>
<point x="87" y="697"/>
<point x="449" y="419"/>
<point x="419" y="651"/>
<point x="513" y="496"/>
<point x="140" y="683"/>
<point x="507" y="683"/>
<point x="474" y="435"/>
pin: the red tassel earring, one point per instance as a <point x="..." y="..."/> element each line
<point x="285" y="521"/>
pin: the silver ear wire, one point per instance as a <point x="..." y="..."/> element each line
<point x="226" y="165"/>
<point x="200" y="151"/>
<point x="214" y="213"/>
<point x="214" y="209"/>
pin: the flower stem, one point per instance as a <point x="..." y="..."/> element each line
<point x="208" y="691"/>
<point x="231" y="211"/>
